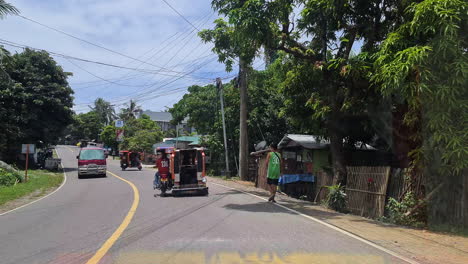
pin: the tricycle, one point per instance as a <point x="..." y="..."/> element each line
<point x="130" y="159"/>
<point x="187" y="168"/>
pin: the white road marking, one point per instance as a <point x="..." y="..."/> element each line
<point x="329" y="226"/>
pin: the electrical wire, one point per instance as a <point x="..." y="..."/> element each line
<point x="13" y="44"/>
<point x="202" y="23"/>
<point x="89" y="42"/>
<point x="186" y="20"/>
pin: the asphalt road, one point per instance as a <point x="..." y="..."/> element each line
<point x="71" y="226"/>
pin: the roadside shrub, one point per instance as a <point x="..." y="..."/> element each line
<point x="9" y="178"/>
<point x="409" y="212"/>
<point x="336" y="198"/>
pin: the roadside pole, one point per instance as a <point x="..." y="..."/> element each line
<point x="219" y="84"/>
<point x="27" y="163"/>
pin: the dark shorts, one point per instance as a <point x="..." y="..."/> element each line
<point x="272" y="181"/>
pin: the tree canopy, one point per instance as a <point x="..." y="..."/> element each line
<point x="35" y="99"/>
<point x="141" y="134"/>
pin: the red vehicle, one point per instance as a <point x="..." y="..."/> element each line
<point x="91" y="161"/>
<point x="130" y="159"/>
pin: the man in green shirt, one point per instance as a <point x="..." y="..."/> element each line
<point x="273" y="163"/>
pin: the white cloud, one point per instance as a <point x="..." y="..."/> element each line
<point x="132" y="27"/>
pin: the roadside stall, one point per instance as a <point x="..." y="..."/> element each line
<point x="303" y="157"/>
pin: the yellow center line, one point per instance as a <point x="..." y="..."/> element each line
<point x="118" y="232"/>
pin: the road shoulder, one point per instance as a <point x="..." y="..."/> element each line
<point x="40" y="185"/>
<point x="420" y="245"/>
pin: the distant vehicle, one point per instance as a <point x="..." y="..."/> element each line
<point x="91" y="161"/>
<point x="187" y="168"/>
<point x="130" y="159"/>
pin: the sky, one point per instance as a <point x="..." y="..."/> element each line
<point x="166" y="54"/>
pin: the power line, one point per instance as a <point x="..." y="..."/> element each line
<point x="13" y="44"/>
<point x="186" y="20"/>
<point x="88" y="42"/>
<point x="148" y="84"/>
<point x="99" y="77"/>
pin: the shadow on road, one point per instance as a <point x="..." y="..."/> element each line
<point x="262" y="207"/>
<point x="70" y="169"/>
<point x="228" y="193"/>
<point x="92" y="176"/>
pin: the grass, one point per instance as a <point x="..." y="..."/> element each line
<point x="39" y="180"/>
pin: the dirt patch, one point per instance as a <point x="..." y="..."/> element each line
<point x="10" y="205"/>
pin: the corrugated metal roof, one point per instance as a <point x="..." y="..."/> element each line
<point x="161" y="116"/>
<point x="184" y="138"/>
<point x="305" y="141"/>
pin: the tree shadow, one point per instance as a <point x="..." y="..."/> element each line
<point x="68" y="169"/>
<point x="310" y="209"/>
<point x="263" y="207"/>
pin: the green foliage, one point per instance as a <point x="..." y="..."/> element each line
<point x="35" y="100"/>
<point x="39" y="183"/>
<point x="143" y="140"/>
<point x="7" y="9"/>
<point x="104" y="110"/>
<point x="398" y="211"/>
<point x="202" y="107"/>
<point x="130" y="111"/>
<point x="108" y="136"/>
<point x="324" y="83"/>
<point x="87" y="125"/>
<point x="336" y="198"/>
<point x="141" y="134"/>
<point x="425" y="62"/>
<point x="9" y="178"/>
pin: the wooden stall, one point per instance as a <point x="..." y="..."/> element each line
<point x="303" y="157"/>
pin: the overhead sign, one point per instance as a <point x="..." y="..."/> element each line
<point x="120" y="135"/>
<point x="24" y="148"/>
<point x="119" y="123"/>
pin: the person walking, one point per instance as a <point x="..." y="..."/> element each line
<point x="273" y="163"/>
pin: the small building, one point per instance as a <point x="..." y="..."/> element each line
<point x="163" y="119"/>
<point x="305" y="160"/>
<point x="304" y="157"/>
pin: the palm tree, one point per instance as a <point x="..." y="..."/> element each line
<point x="7" y="9"/>
<point x="131" y="111"/>
<point x="104" y="110"/>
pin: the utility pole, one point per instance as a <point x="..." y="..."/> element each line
<point x="219" y="84"/>
<point x="243" y="138"/>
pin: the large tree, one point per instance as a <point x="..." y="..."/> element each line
<point x="140" y="134"/>
<point x="202" y="107"/>
<point x="425" y="62"/>
<point x="35" y="99"/>
<point x="104" y="110"/>
<point x="322" y="34"/>
<point x="108" y="136"/>
<point x="232" y="43"/>
<point x="130" y="111"/>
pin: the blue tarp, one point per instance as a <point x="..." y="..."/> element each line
<point x="290" y="178"/>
